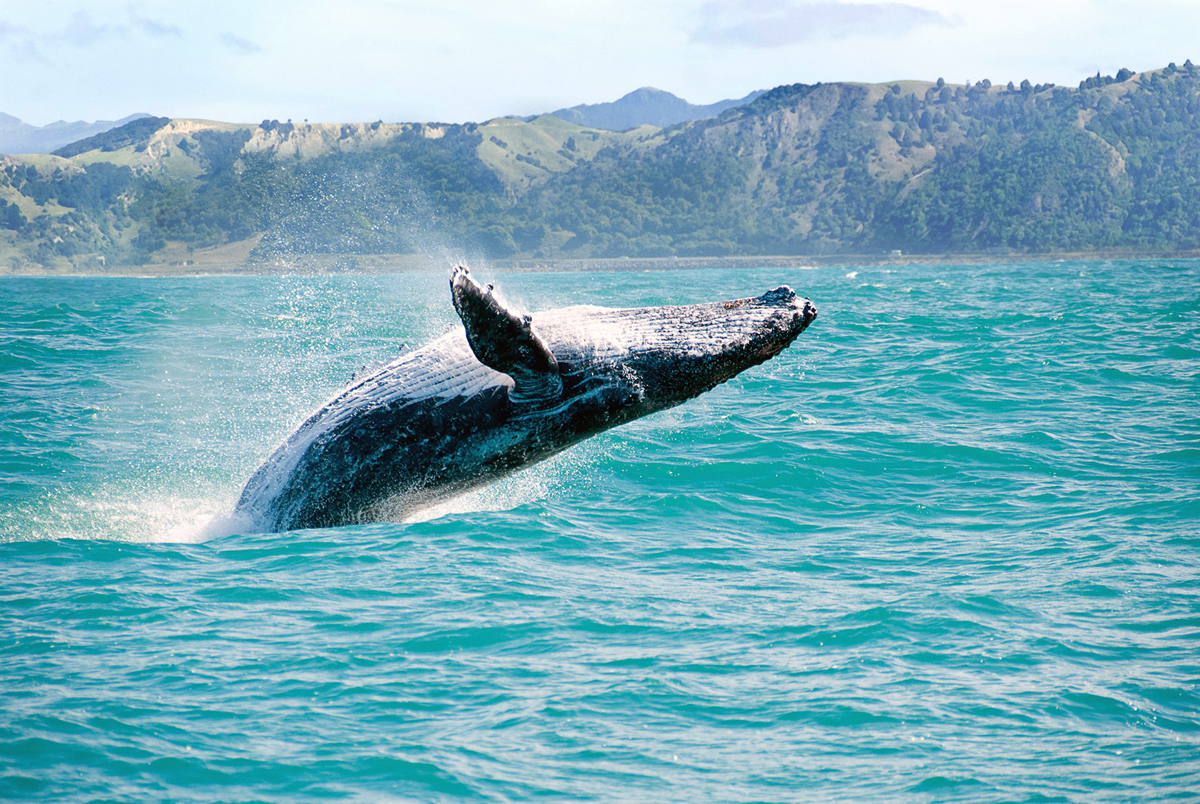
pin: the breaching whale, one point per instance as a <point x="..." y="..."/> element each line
<point x="501" y="393"/>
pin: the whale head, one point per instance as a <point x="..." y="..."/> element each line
<point x="666" y="355"/>
<point x="596" y="366"/>
<point x="690" y="350"/>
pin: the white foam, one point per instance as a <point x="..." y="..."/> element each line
<point x="128" y="517"/>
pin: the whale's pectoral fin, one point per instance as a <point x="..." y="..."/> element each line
<point x="505" y="341"/>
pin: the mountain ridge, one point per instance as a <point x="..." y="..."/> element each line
<point x="19" y="137"/>
<point x="645" y="106"/>
<point x="803" y="169"/>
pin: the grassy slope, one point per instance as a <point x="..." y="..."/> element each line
<point x="549" y="145"/>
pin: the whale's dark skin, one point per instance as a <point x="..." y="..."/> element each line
<point x="502" y="393"/>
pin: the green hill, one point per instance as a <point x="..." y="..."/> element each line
<point x="927" y="167"/>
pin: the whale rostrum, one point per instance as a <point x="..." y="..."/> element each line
<point x="505" y="391"/>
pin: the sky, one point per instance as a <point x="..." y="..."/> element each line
<point x="472" y="60"/>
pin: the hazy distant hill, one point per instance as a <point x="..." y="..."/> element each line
<point x="926" y="167"/>
<point x="19" y="137"/>
<point x="645" y="106"/>
<point x="136" y="132"/>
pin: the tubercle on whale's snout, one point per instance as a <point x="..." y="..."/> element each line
<point x="807" y="314"/>
<point x="804" y="311"/>
<point x="780" y="295"/>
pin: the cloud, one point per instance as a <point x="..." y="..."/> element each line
<point x="154" y="27"/>
<point x="21" y="42"/>
<point x="82" y="32"/>
<point x="237" y="44"/>
<point x="775" y="23"/>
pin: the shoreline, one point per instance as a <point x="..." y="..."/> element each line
<point x="412" y="263"/>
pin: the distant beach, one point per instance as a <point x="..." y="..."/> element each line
<point x="219" y="262"/>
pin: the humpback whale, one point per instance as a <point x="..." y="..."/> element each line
<point x="504" y="391"/>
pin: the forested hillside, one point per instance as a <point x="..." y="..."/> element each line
<point x="804" y="169"/>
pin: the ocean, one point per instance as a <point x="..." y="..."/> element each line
<point x="943" y="548"/>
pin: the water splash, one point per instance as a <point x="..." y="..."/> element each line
<point x="121" y="515"/>
<point x="568" y="471"/>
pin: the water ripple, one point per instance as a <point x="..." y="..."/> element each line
<point x="942" y="549"/>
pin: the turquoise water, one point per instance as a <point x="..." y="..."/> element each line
<point x="945" y="548"/>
